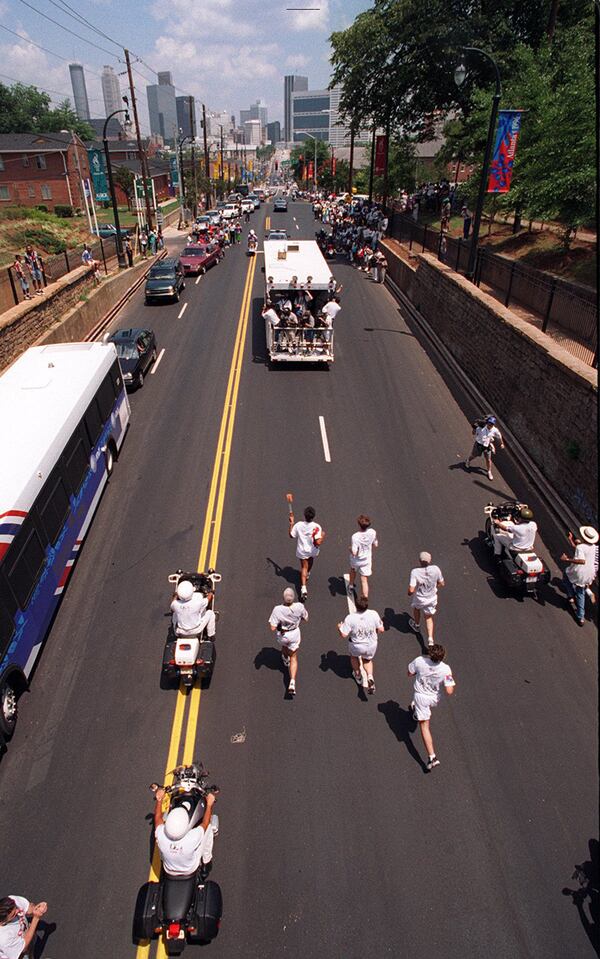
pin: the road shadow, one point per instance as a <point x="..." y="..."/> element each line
<point x="342" y="667"/>
<point x="288" y="573"/>
<point x="337" y="586"/>
<point x="586" y="895"/>
<point x="500" y="494"/>
<point x="402" y="725"/>
<point x="397" y="621"/>
<point x="259" y="341"/>
<point x="385" y="329"/>
<point x="270" y="658"/>
<point x="484" y="557"/>
<point x="44" y="931"/>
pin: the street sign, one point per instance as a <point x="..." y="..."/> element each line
<point x="160" y="218"/>
<point x="98" y="170"/>
<point x="139" y="189"/>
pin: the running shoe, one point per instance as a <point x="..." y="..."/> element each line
<point x="303" y="593"/>
<point x="286" y="659"/>
<point x="432" y="762"/>
<point x="415" y="626"/>
<point x="371" y="685"/>
<point x="292" y="687"/>
<point x="357" y="677"/>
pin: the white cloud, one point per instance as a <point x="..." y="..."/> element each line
<point x="296" y="61"/>
<point x="317" y="19"/>
<point x="213" y="20"/>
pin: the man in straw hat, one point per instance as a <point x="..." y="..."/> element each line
<point x="582" y="568"/>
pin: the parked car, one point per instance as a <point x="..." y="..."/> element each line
<point x="165" y="281"/>
<point x="215" y="217"/>
<point x="280" y="204"/>
<point x="106" y="231"/>
<point x="255" y="200"/>
<point x="230" y="211"/>
<point x="247" y="205"/>
<point x="136" y="350"/>
<point x="197" y="257"/>
<point x="202" y="224"/>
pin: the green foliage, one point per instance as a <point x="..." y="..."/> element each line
<point x="25" y="212"/>
<point x="45" y="239"/>
<point x="265" y="153"/>
<point x="24" y="109"/>
<point x="63" y="210"/>
<point x="125" y="179"/>
<point x="304" y="153"/>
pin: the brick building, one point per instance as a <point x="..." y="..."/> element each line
<point x="42" y="169"/>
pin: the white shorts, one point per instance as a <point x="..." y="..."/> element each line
<point x="367" y="651"/>
<point x="364" y="569"/>
<point x="302" y="554"/>
<point x="423" y="705"/>
<point x="428" y="610"/>
<point x="290" y="640"/>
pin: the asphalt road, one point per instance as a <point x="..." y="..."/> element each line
<point x="334" y="840"/>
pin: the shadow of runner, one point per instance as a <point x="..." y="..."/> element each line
<point x="337" y="586"/>
<point x="402" y="725"/>
<point x="44" y="931"/>
<point x="271" y="659"/>
<point x="288" y="573"/>
<point x="342" y="667"/>
<point x="588" y="877"/>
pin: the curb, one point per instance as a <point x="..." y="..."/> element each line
<point x="108" y="317"/>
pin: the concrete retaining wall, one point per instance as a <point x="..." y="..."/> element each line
<point x="548" y="398"/>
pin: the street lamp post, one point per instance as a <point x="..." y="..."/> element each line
<point x="459" y="77"/>
<point x="111" y="186"/>
<point x="315" y="166"/>
<point x="182" y="140"/>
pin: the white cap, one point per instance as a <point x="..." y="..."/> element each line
<point x="589" y="534"/>
<point x="176" y="824"/>
<point x="289" y="595"/>
<point x="185" y="591"/>
<point x="425" y="557"/>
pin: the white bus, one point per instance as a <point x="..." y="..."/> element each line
<point x="292" y="266"/>
<point x="64" y="412"/>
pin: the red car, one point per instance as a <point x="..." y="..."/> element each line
<point x="197" y="257"/>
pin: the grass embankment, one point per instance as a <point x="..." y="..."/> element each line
<point x="536" y="248"/>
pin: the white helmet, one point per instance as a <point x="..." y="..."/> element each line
<point x="176" y="823"/>
<point x="185" y="591"/>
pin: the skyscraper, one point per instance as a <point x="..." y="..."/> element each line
<point x="186" y="108"/>
<point x="82" y="106"/>
<point x="162" y="108"/>
<point x="111" y="91"/>
<point x="290" y="85"/>
<point x="274" y="131"/>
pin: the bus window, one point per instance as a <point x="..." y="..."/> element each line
<point x="26" y="565"/>
<point x="7" y="628"/>
<point x="76" y="461"/>
<point x="93" y="422"/>
<point x="106" y="397"/>
<point x="117" y="379"/>
<point x="53" y="506"/>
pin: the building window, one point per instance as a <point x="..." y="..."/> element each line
<point x="313" y="121"/>
<point x="31" y="190"/>
<point x="1" y="163"/>
<point x="40" y="162"/>
<point x="25" y="160"/>
<point x="4" y="194"/>
<point x="46" y="192"/>
<point x="309" y="104"/>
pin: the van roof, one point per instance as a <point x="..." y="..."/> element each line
<point x="302" y="258"/>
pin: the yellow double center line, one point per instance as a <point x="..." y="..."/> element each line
<point x="209" y="548"/>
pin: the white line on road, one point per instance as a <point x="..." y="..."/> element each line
<point x="325" y="440"/>
<point x="197" y="279"/>
<point x="294" y="219"/>
<point x="156" y="362"/>
<point x="349" y="595"/>
<point x="182" y="311"/>
<point x="297" y="227"/>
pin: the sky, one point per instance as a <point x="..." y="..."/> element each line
<point x="226" y="53"/>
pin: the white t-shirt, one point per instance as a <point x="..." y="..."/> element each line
<point x="289" y="617"/>
<point x="484" y="435"/>
<point x="182" y="856"/>
<point x="271" y="316"/>
<point x="332" y="309"/>
<point x="188" y="616"/>
<point x="305" y="533"/>
<point x="12" y="935"/>
<point x="578" y="574"/>
<point x="523" y="534"/>
<point x="362" y="544"/>
<point x="424" y="580"/>
<point x="429" y="676"/>
<point x="361" y="629"/>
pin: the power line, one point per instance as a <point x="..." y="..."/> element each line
<point x="60" y="93"/>
<point x="75" y="15"/>
<point x="68" y="30"/>
<point x="45" y="49"/>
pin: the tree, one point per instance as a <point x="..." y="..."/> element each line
<point x="265" y="153"/>
<point x="125" y="179"/>
<point x="24" y="109"/>
<point x="304" y="153"/>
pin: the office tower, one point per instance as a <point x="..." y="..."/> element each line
<point x="310" y="114"/>
<point x="274" y="131"/>
<point x="290" y="84"/>
<point x="186" y="106"/>
<point x="82" y="106"/>
<point x="162" y="108"/>
<point x="252" y="132"/>
<point x="111" y="91"/>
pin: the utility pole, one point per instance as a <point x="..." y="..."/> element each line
<point x="193" y="136"/>
<point x="372" y="163"/>
<point x="206" y="159"/>
<point x="351" y="164"/>
<point x="143" y="164"/>
<point x="221" y="170"/>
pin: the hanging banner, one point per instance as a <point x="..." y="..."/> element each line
<point x="174" y="165"/>
<point x="501" y="167"/>
<point x="380" y="155"/>
<point x="310" y="170"/>
<point x="333" y="165"/>
<point x="98" y="169"/>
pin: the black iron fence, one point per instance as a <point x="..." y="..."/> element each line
<point x="566" y="311"/>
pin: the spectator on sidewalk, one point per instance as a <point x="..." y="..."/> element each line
<point x="144" y="243"/>
<point x="128" y="252"/>
<point x="430" y="673"/>
<point x="152" y="242"/>
<point x="20" y="272"/>
<point x="33" y="262"/>
<point x="87" y="258"/>
<point x="581" y="570"/>
<point x="425" y="580"/>
<point x="160" y="240"/>
<point x="467" y="219"/>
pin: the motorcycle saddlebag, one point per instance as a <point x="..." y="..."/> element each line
<point x="147" y="911"/>
<point x="207" y="911"/>
<point x="207" y="653"/>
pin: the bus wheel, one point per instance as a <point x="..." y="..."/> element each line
<point x="110" y="458"/>
<point x="8" y="708"/>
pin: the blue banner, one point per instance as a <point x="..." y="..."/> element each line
<point x="174" y="171"/>
<point x="98" y="170"/>
<point x="501" y="167"/>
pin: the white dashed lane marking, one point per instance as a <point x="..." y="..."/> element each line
<point x="182" y="311"/>
<point x="156" y="362"/>
<point x="324" y="440"/>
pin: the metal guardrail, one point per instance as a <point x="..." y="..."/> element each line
<point x="556" y="306"/>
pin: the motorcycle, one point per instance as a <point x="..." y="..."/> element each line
<point x="521" y="570"/>
<point x="251" y="246"/>
<point x="182" y="908"/>
<point x="188" y="658"/>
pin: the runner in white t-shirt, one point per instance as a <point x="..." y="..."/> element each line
<point x="431" y="673"/>
<point x="285" y="621"/>
<point x="423" y="586"/>
<point x="18" y="925"/>
<point x="361" y="553"/>
<point x="309" y="536"/>
<point x="360" y="629"/>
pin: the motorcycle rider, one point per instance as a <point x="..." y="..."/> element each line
<point x="184" y="852"/>
<point x="191" y="613"/>
<point x="518" y="534"/>
<point x="252" y="240"/>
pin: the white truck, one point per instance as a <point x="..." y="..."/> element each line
<point x="296" y="271"/>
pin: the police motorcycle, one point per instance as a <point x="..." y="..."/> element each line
<point x="521" y="570"/>
<point x="252" y="244"/>
<point x="188" y="658"/>
<point x="181" y="908"/>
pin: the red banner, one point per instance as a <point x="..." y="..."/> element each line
<point x="333" y="165"/>
<point x="380" y="155"/>
<point x="310" y="169"/>
<point x="507" y="135"/>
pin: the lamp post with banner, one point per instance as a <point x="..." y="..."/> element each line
<point x="111" y="185"/>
